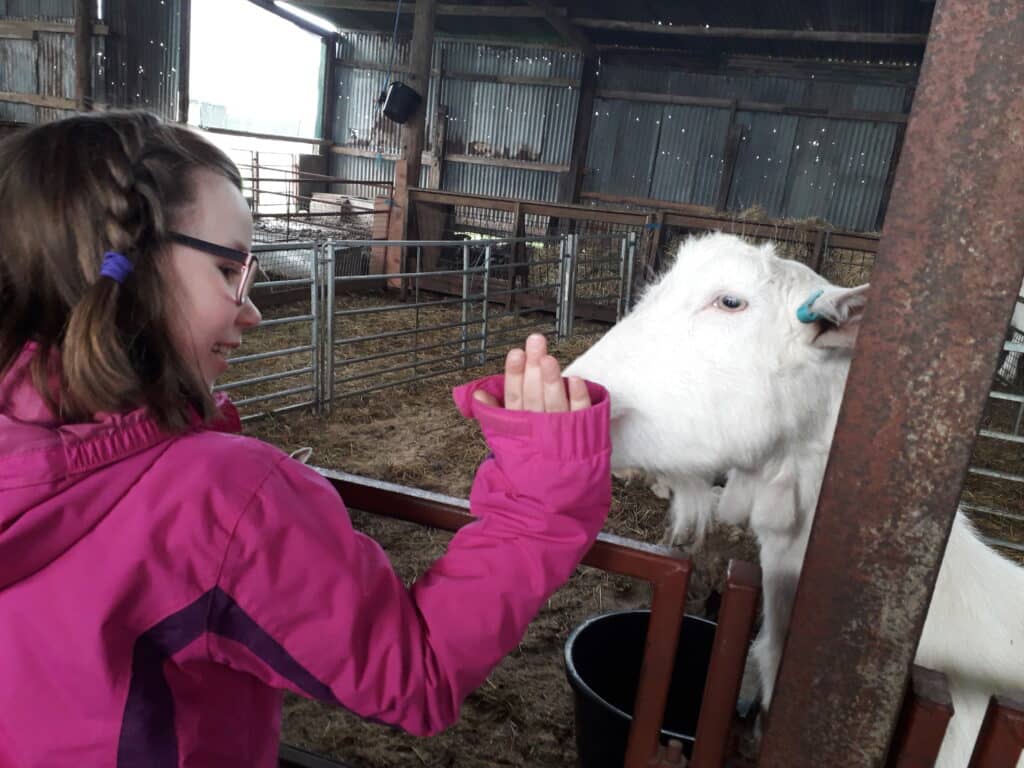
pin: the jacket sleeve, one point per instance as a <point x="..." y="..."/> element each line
<point x="313" y="606"/>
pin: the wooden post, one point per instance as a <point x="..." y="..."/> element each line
<point x="407" y="167"/>
<point x="83" y="54"/>
<point x="329" y="94"/>
<point x="183" y="63"/>
<point x="436" y="179"/>
<point x="733" y="136"/>
<point x="571" y="182"/>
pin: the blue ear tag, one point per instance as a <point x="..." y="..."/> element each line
<point x="804" y="313"/>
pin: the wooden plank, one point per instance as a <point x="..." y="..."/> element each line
<point x="184" y="60"/>
<point x="328" y="91"/>
<point x="730" y="152"/>
<point x="755" y="33"/>
<point x="476" y="77"/>
<point x="48" y="102"/>
<point x="749" y="106"/>
<point x="271" y="136"/>
<point x="26" y="29"/>
<point x="508" y="162"/>
<point x="570" y="185"/>
<point x="569" y="32"/>
<point x="443" y="9"/>
<point x="83" y="54"/>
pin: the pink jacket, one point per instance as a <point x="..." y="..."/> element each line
<point x="158" y="593"/>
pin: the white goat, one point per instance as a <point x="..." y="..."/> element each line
<point x="713" y="372"/>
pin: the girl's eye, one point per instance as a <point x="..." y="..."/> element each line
<point x="230" y="272"/>
<point x="731" y="303"/>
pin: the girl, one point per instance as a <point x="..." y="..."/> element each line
<point x="162" y="578"/>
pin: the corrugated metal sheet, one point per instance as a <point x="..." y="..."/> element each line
<point x="143" y="52"/>
<point x="813" y="92"/>
<point x="762" y="164"/>
<point x="500" y="182"/>
<point x="690" y="155"/>
<point x="63" y="10"/>
<point x="509" y="61"/>
<point x="624" y="138"/>
<point x="838" y="171"/>
<point x="363" y="169"/>
<point x="18" y="73"/>
<point x="525" y="122"/>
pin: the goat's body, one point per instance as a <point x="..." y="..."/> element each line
<point x="713" y="372"/>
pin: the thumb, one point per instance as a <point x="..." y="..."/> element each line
<point x="485" y="397"/>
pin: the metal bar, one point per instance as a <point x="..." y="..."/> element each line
<point x="465" y="304"/>
<point x="286" y="320"/>
<point x="275" y="411"/>
<point x="397" y="368"/>
<point x="629" y="273"/>
<point x="570" y="315"/>
<point x="1005" y="436"/>
<point x="923" y="721"/>
<point x="268" y="355"/>
<point x="995" y="474"/>
<point x="316" y="268"/>
<point x="1001" y="738"/>
<point x="728" y="657"/>
<point x="349" y="361"/>
<point x="328" y="312"/>
<point x="622" y="281"/>
<point x="982" y="510"/>
<point x="261" y="379"/>
<point x="483" y="309"/>
<point x="902" y="444"/>
<point x="404" y="307"/>
<point x="275" y="395"/>
<point x="1002" y="543"/>
<point x="396" y="334"/>
<point x="396" y="275"/>
<point x="668" y="573"/>
<point x="283" y="283"/>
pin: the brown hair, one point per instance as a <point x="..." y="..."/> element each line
<point x="70" y="191"/>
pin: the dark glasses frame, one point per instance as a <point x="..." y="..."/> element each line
<point x="248" y="260"/>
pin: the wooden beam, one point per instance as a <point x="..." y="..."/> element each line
<point x="184" y="58"/>
<point x="83" y="54"/>
<point x="755" y="33"/>
<point x="508" y="162"/>
<point x="442" y="9"/>
<point x="271" y="7"/>
<point x="560" y="23"/>
<point x="328" y="92"/>
<point x="571" y="184"/>
<point x="25" y="30"/>
<point x="270" y="136"/>
<point x="478" y="77"/>
<point x="750" y="106"/>
<point x="35" y="100"/>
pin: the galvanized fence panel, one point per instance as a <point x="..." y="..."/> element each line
<point x="283" y="376"/>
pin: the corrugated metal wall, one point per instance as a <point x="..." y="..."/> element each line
<point x="523" y="122"/>
<point x="142" y="59"/>
<point x="790" y="166"/>
<point x="44" y="66"/>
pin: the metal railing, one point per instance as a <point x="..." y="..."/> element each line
<point x="360" y="331"/>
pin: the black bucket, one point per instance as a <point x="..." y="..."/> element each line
<point x="602" y="661"/>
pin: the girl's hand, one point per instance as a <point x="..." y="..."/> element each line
<point x="533" y="382"/>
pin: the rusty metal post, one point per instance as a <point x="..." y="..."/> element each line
<point x="728" y="658"/>
<point x="949" y="265"/>
<point x="926" y="713"/>
<point x="1002" y="735"/>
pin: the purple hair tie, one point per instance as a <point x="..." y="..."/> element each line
<point x="116" y="266"/>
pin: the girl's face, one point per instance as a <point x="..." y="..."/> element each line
<point x="205" y="322"/>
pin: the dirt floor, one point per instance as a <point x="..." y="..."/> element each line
<point x="413" y="435"/>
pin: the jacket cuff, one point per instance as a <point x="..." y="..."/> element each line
<point x="573" y="434"/>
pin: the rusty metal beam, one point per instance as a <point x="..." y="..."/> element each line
<point x="667" y="572"/>
<point x="948" y="269"/>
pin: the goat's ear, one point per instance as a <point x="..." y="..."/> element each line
<point x="836" y="314"/>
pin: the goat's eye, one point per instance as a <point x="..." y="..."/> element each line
<point x="730" y="303"/>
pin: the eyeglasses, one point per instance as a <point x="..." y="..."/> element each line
<point x="249" y="262"/>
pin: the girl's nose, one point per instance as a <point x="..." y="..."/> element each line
<point x="248" y="314"/>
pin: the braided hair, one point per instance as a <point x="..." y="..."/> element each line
<point x="70" y="191"/>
